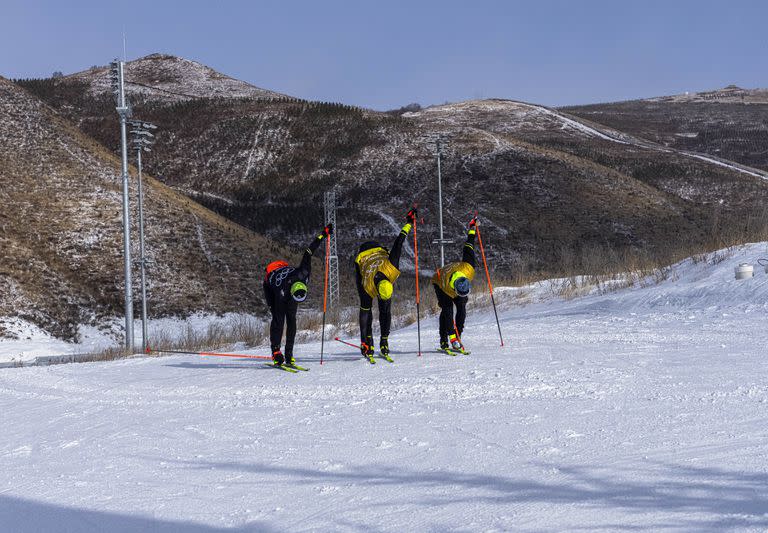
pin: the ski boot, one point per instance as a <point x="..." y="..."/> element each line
<point x="384" y="349"/>
<point x="277" y="358"/>
<point x="446" y="347"/>
<point x="456" y="343"/>
<point x="366" y="348"/>
<point x="457" y="346"/>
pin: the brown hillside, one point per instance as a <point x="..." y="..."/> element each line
<point x="554" y="192"/>
<point x="61" y="238"/>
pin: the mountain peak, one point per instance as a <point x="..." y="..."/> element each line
<point x="165" y="77"/>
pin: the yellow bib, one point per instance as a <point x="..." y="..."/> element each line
<point x="442" y="277"/>
<point x="372" y="262"/>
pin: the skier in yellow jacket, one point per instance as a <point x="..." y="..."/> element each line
<point x="376" y="271"/>
<point x="452" y="285"/>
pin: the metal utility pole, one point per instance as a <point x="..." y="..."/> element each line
<point x="124" y="111"/>
<point x="439" y="143"/>
<point x="142" y="140"/>
<point x="333" y="260"/>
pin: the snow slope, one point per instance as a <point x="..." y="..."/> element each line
<point x="644" y="408"/>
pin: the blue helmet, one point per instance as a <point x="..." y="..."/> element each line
<point x="462" y="286"/>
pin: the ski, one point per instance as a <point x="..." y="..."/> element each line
<point x="282" y="367"/>
<point x="297" y="367"/>
<point x="387" y="358"/>
<point x="451" y="351"/>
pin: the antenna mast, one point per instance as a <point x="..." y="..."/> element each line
<point x="333" y="262"/>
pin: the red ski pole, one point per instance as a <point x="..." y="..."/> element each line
<point x="488" y="277"/>
<point x="325" y="291"/>
<point x="215" y="354"/>
<point x="418" y="296"/>
<point x="358" y="346"/>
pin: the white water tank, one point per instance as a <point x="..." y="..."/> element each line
<point x="745" y="271"/>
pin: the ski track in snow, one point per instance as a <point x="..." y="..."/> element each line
<point x="726" y="165"/>
<point x="590" y="131"/>
<point x="596" y="133"/>
<point x="645" y="408"/>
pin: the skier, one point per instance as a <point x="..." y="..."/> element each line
<point x="375" y="272"/>
<point x="284" y="288"/>
<point x="452" y="285"/>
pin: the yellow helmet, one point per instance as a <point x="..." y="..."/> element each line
<point x="385" y="289"/>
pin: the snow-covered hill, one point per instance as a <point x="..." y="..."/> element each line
<point x="167" y="78"/>
<point x="642" y="408"/>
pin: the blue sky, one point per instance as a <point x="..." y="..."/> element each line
<point x="384" y="54"/>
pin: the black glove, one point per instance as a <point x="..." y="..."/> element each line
<point x="473" y="223"/>
<point x="411" y="216"/>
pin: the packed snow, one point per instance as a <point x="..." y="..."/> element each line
<point x="638" y="408"/>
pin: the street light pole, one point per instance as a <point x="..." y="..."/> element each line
<point x="441" y="241"/>
<point x="144" y="343"/>
<point x="123" y="110"/>
<point x="440" y="201"/>
<point x="142" y="140"/>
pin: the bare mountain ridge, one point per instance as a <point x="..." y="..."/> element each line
<point x="729" y="123"/>
<point x="61" y="220"/>
<point x="730" y="94"/>
<point x="162" y="77"/>
<point x="554" y="190"/>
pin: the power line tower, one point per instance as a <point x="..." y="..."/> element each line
<point x="333" y="259"/>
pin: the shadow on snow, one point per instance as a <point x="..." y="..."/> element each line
<point x="705" y="498"/>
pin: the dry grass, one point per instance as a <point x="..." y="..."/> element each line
<point x="217" y="335"/>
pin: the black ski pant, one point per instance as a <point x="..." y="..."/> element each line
<point x="446" y="304"/>
<point x="366" y="313"/>
<point x="283" y="312"/>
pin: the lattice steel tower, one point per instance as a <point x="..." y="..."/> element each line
<point x="333" y="260"/>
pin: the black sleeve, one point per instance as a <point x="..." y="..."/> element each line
<point x="305" y="268"/>
<point x="397" y="248"/>
<point x="469" y="249"/>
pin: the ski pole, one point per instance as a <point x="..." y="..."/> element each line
<point x="488" y="278"/>
<point x="325" y="291"/>
<point x="358" y="346"/>
<point x="418" y="296"/>
<point x="214" y="354"/>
